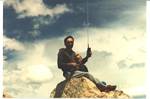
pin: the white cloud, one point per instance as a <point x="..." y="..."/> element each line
<point x="35" y="66"/>
<point x="123" y="40"/>
<point x="111" y="40"/>
<point x="139" y="90"/>
<point x="34" y="69"/>
<point x="27" y="8"/>
<point x="39" y="73"/>
<point x="12" y="44"/>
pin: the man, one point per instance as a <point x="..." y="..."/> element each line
<point x="73" y="65"/>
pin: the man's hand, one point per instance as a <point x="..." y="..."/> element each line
<point x="89" y="52"/>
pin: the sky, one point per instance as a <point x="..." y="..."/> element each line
<point x="34" y="32"/>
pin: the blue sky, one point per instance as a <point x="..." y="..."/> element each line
<point x="101" y="14"/>
<point x="34" y="32"/>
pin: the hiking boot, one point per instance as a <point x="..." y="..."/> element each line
<point x="110" y="88"/>
<point x="101" y="87"/>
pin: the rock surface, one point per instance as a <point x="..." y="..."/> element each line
<point x="6" y="95"/>
<point x="82" y="87"/>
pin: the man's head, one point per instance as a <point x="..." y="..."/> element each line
<point x="69" y="41"/>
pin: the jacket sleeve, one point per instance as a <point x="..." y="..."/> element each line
<point x="84" y="60"/>
<point x="60" y="59"/>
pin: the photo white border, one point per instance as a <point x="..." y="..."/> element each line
<point x="1" y="49"/>
<point x="148" y="49"/>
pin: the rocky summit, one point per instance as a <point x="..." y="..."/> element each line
<point x="82" y="87"/>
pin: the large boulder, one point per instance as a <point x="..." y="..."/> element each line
<point x="82" y="87"/>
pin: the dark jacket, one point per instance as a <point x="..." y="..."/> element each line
<point x="65" y="57"/>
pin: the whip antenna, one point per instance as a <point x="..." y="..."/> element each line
<point x="87" y="23"/>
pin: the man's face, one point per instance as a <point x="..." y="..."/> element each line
<point x="69" y="43"/>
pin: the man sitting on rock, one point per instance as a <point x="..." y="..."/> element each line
<point x="73" y="65"/>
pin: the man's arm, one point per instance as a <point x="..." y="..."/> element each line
<point x="84" y="60"/>
<point x="88" y="55"/>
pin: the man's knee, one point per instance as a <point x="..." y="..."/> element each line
<point x="67" y="75"/>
